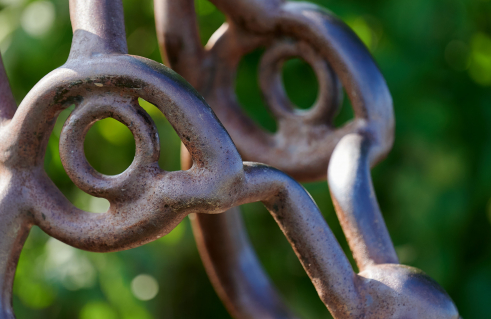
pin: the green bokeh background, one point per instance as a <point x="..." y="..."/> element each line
<point x="434" y="188"/>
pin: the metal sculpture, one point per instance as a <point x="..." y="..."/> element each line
<point x="146" y="202"/>
<point x="302" y="147"/>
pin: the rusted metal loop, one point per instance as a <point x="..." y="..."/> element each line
<point x="177" y="193"/>
<point x="302" y="151"/>
<point x="157" y="200"/>
<point x="330" y="92"/>
<point x="127" y="111"/>
<point x="340" y="47"/>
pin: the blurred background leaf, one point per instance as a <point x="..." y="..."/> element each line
<point x="434" y="187"/>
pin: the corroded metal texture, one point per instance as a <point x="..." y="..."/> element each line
<point x="102" y="80"/>
<point x="302" y="147"/>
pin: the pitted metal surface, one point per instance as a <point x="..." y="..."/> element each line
<point x="305" y="146"/>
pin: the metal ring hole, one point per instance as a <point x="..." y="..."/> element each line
<point x="109" y="146"/>
<point x="72" y="139"/>
<point x="56" y="172"/>
<point x="300" y="83"/>
<point x="249" y="93"/>
<point x="288" y="71"/>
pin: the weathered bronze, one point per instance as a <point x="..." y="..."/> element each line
<point x="102" y="80"/>
<point x="302" y="147"/>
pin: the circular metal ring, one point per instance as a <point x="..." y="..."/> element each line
<point x="329" y="96"/>
<point x="94" y="108"/>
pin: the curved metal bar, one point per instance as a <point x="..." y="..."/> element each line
<point x="14" y="229"/>
<point x="301" y="150"/>
<point x="397" y="291"/>
<point x="98" y="28"/>
<point x="177" y="32"/>
<point x="239" y="279"/>
<point x="356" y="203"/>
<point x="255" y="23"/>
<point x="15" y="220"/>
<point x="309" y="235"/>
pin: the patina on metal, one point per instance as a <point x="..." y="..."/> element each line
<point x="302" y="147"/>
<point x="102" y="80"/>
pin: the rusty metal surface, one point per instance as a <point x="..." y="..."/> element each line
<point x="301" y="147"/>
<point x="102" y="80"/>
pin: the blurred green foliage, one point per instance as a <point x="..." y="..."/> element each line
<point x="434" y="188"/>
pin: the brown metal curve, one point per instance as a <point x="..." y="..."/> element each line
<point x="300" y="150"/>
<point x="403" y="291"/>
<point x="246" y="290"/>
<point x="238" y="278"/>
<point x="330" y="94"/>
<point x="360" y="144"/>
<point x="356" y="204"/>
<point x="146" y="202"/>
